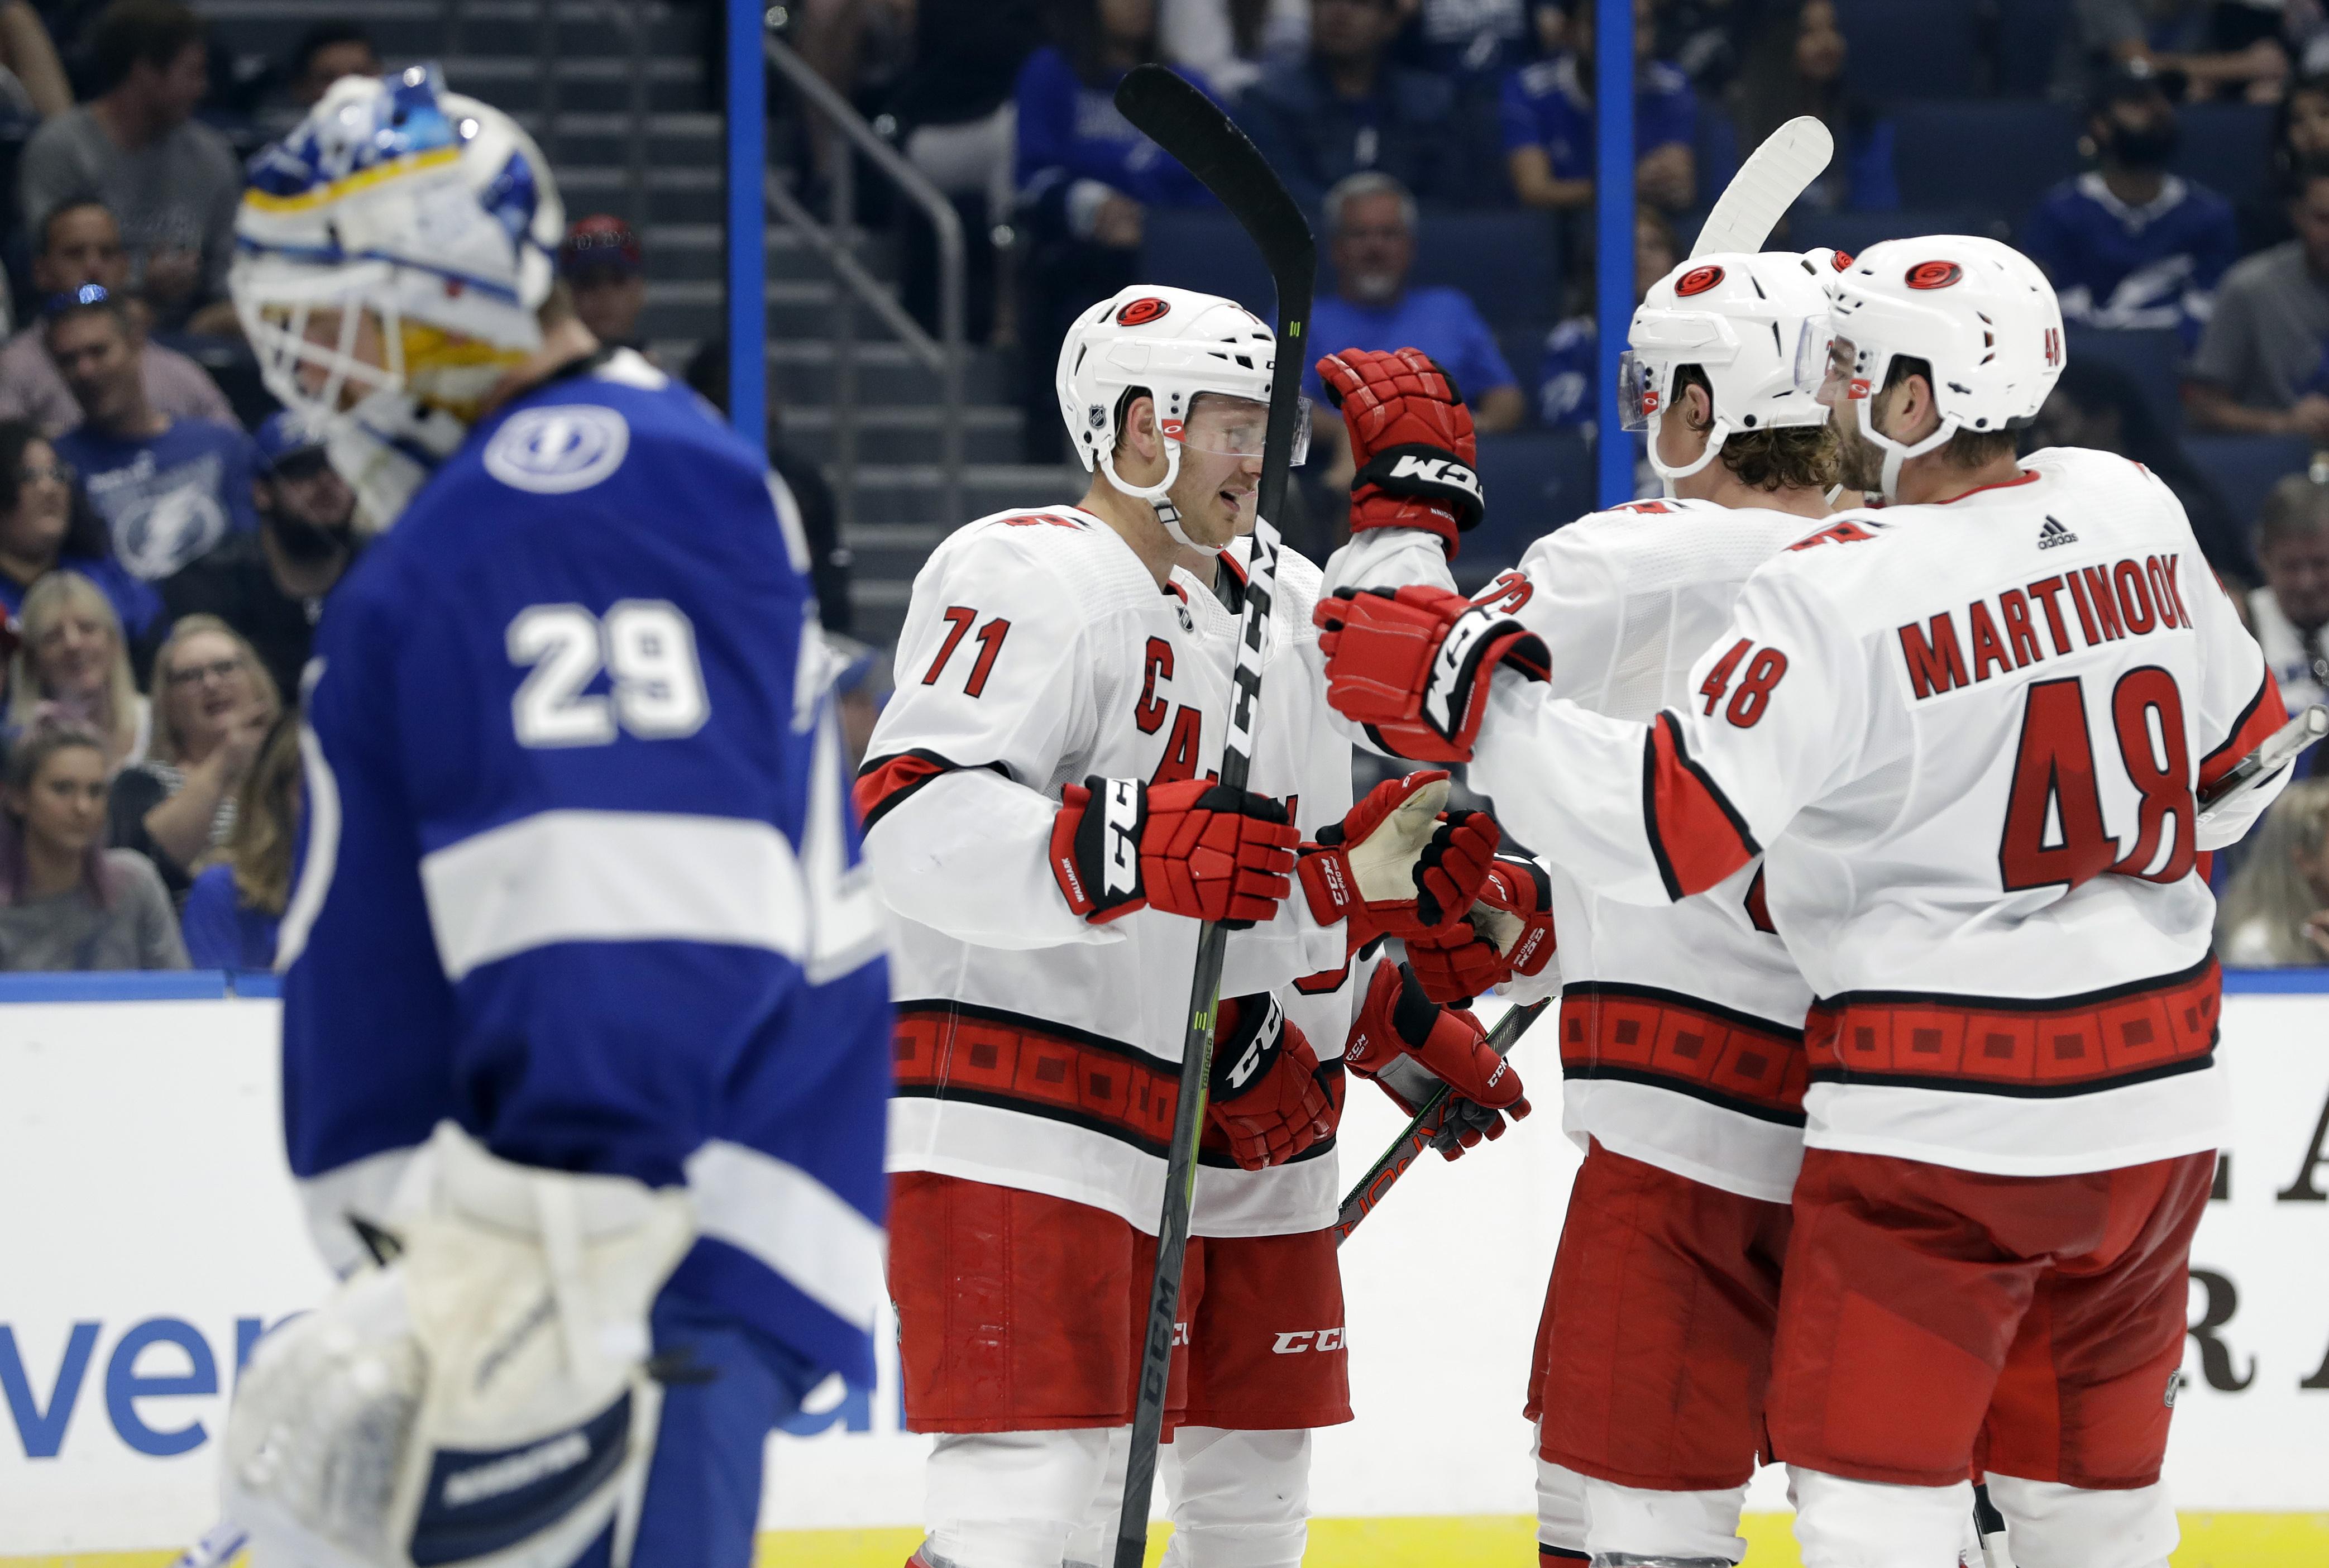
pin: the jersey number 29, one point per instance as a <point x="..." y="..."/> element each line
<point x="645" y="646"/>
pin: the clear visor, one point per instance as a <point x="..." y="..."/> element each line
<point x="1813" y="344"/>
<point x="1841" y="380"/>
<point x="1235" y="427"/>
<point x="1644" y="384"/>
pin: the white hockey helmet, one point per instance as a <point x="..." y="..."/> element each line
<point x="1755" y="326"/>
<point x="1174" y="345"/>
<point x="428" y="222"/>
<point x="1979" y="313"/>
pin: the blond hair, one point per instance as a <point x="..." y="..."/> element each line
<point x="2264" y="910"/>
<point x="168" y="745"/>
<point x="267" y="807"/>
<point x="47" y="601"/>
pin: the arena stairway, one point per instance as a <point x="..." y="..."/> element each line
<point x="898" y="512"/>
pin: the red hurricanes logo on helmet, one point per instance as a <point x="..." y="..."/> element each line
<point x="1840" y="260"/>
<point x="1698" y="280"/>
<point x="1141" y="311"/>
<point x="1934" y="274"/>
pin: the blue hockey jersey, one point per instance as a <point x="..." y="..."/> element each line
<point x="576" y="870"/>
<point x="2117" y="266"/>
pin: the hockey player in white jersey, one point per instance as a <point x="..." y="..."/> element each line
<point x="1040" y="825"/>
<point x="1965" y="731"/>
<point x="584" y="1009"/>
<point x="1681" y="1028"/>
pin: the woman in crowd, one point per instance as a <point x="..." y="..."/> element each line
<point x="213" y="701"/>
<point x="74" y="659"/>
<point x="2275" y="912"/>
<point x="46" y="523"/>
<point x="1795" y="65"/>
<point x="67" y="902"/>
<point x="235" y="906"/>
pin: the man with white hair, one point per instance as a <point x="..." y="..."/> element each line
<point x="1965" y="733"/>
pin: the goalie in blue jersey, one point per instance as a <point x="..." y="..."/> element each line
<point x="586" y="1032"/>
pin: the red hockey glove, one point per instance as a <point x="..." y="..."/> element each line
<point x="1414" y="665"/>
<point x="1397" y="1023"/>
<point x="1265" y="1095"/>
<point x="1397" y="864"/>
<point x="1412" y="441"/>
<point x="1509" y="932"/>
<point x="1190" y="848"/>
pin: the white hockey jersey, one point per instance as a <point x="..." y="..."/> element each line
<point x="1682" y="1025"/>
<point x="1966" y="738"/>
<point x="1301" y="757"/>
<point x="1034" y="1050"/>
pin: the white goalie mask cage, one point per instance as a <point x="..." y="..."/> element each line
<point x="1979" y="313"/>
<point x="1175" y="345"/>
<point x="1757" y="325"/>
<point x="430" y="223"/>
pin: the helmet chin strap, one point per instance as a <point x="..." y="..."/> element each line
<point x="1895" y="453"/>
<point x="1667" y="476"/>
<point x="1154" y="495"/>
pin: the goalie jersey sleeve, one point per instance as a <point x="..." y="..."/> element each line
<point x="578" y="872"/>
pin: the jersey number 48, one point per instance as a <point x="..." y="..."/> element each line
<point x="2054" y="834"/>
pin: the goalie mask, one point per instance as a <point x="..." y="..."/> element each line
<point x="1757" y="328"/>
<point x="1177" y="346"/>
<point x="1980" y="313"/>
<point x="481" y="1400"/>
<point x="391" y="254"/>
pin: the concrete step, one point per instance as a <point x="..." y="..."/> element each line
<point x="698" y="252"/>
<point x="806" y="373"/>
<point x="408" y="30"/>
<point x="910" y="495"/>
<point x="586" y="84"/>
<point x="798" y="309"/>
<point x="898" y="435"/>
<point x="674" y="195"/>
<point x="604" y="140"/>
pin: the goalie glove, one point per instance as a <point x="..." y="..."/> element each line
<point x="1508" y="932"/>
<point x="1400" y="1029"/>
<point x="1265" y="1097"/>
<point x="1413" y="666"/>
<point x="1411" y="442"/>
<point x="1190" y="848"/>
<point x="1398" y="863"/>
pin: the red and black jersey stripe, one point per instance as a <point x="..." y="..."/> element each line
<point x="1698" y="837"/>
<point x="885" y="783"/>
<point x="2264" y="715"/>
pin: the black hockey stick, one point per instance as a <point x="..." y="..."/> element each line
<point x="1190" y="127"/>
<point x="1422" y="1128"/>
<point x="2282" y="747"/>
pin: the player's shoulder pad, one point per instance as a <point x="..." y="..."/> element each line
<point x="1058" y="561"/>
<point x="1657" y="545"/>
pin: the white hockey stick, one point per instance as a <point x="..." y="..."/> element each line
<point x="214" y="1550"/>
<point x="1765" y="185"/>
<point x="2280" y="748"/>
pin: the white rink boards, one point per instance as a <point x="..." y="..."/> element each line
<point x="150" y="1229"/>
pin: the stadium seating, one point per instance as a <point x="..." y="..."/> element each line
<point x="1508" y="262"/>
<point x="2228" y="148"/>
<point x="1535" y="481"/>
<point x="1932" y="44"/>
<point x="2029" y="37"/>
<point x="1997" y="156"/>
<point x="2245" y="467"/>
<point x="1855" y="231"/>
<point x="2155" y="359"/>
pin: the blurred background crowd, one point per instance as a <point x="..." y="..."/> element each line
<point x="168" y="540"/>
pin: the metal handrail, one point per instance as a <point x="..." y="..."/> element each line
<point x="943" y="353"/>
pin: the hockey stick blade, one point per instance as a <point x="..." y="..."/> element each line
<point x="1192" y="128"/>
<point x="1370" y="1190"/>
<point x="2280" y="748"/>
<point x="1765" y="185"/>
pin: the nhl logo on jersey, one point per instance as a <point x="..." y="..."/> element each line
<point x="556" y="451"/>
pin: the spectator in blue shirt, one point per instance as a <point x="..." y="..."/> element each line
<point x="1548" y="124"/>
<point x="1086" y="178"/>
<point x="2129" y="245"/>
<point x="1468" y="38"/>
<point x="234" y="907"/>
<point x="1795" y="66"/>
<point x="1347" y="110"/>
<point x="46" y="525"/>
<point x="168" y="488"/>
<point x="1570" y="371"/>
<point x="1371" y="229"/>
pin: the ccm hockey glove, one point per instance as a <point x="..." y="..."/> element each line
<point x="1414" y="666"/>
<point x="1397" y="865"/>
<point x="1398" y="1028"/>
<point x="1411" y="442"/>
<point x="1508" y="932"/>
<point x="1189" y="848"/>
<point x="1265" y="1097"/>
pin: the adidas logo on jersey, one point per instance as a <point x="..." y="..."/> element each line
<point x="2055" y="533"/>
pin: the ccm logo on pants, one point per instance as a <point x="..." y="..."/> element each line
<point x="1296" y="1341"/>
